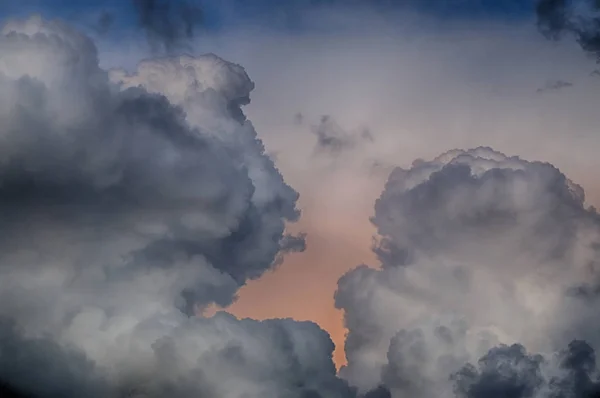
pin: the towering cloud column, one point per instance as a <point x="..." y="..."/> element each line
<point x="484" y="259"/>
<point x="128" y="203"/>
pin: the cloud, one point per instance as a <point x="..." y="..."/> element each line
<point x="477" y="249"/>
<point x="169" y="25"/>
<point x="419" y="99"/>
<point x="42" y="368"/>
<point x="334" y="140"/>
<point x="503" y="371"/>
<point x="178" y="235"/>
<point x="422" y="89"/>
<point x="129" y="202"/>
<point x="105" y="21"/>
<point x="578" y="18"/>
<point x="509" y="371"/>
<point x="554" y="86"/>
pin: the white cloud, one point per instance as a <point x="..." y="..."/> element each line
<point x="476" y="249"/>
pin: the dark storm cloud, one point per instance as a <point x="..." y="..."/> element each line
<point x="503" y="372"/>
<point x="509" y="371"/>
<point x="552" y="17"/>
<point x="42" y="368"/>
<point x="266" y="356"/>
<point x="128" y="203"/>
<point x="579" y="18"/>
<point x="169" y="24"/>
<point x="379" y="392"/>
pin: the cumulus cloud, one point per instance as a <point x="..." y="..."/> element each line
<point x="129" y="202"/>
<point x="421" y="99"/>
<point x="483" y="258"/>
<point x="510" y="371"/>
<point x="148" y="196"/>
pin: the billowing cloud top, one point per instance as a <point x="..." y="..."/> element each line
<point x="477" y="249"/>
<point x="129" y="202"/>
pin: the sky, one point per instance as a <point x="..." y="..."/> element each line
<point x="299" y="199"/>
<point x="217" y="13"/>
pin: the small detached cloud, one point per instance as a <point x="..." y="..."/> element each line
<point x="555" y="85"/>
<point x="334" y="140"/>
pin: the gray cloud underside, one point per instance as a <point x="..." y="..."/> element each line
<point x="128" y="203"/>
